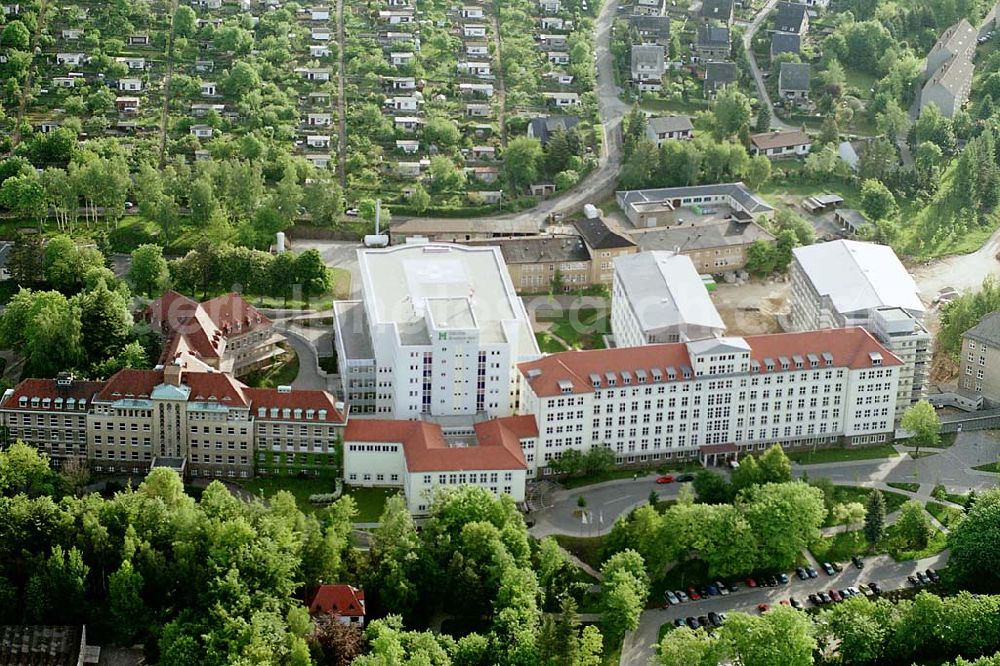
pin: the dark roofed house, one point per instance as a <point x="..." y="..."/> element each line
<point x="980" y="369"/>
<point x="791" y="17"/>
<point x="543" y="127"/>
<point x="652" y="29"/>
<point x="713" y="248"/>
<point x="664" y="128"/>
<point x="712" y="43"/>
<point x="599" y="236"/>
<point x="718" y="75"/>
<point x="793" y="81"/>
<point x="533" y="261"/>
<point x="346" y="603"/>
<point x="717" y="10"/>
<point x="785" y="42"/>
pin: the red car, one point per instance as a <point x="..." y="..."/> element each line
<point x="693" y="594"/>
<point x="835" y="595"/>
<point x="751" y="582"/>
<point x="666" y="478"/>
<point x="763" y="608"/>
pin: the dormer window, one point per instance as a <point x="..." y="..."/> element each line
<point x="298" y="413"/>
<point x="262" y="412"/>
<point x="286" y="413"/>
<point x="310" y="413"/>
<point x="22" y="401"/>
<point x="322" y="415"/>
<point x="274" y="412"/>
<point x="34" y="401"/>
<point x="565" y="386"/>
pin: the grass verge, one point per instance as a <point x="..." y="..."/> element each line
<point x="905" y="485"/>
<point x="370" y="501"/>
<point x="989" y="467"/>
<point x="282" y="373"/>
<point x="821" y="456"/>
<point x="946" y="515"/>
<point x="588" y="549"/>
<point x="839" y="547"/>
<point x="548" y="344"/>
<point x="301" y="489"/>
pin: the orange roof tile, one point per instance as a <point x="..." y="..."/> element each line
<point x="296" y="399"/>
<point x="850" y="348"/>
<point x="49" y="388"/>
<point x="345" y="600"/>
<point x="426" y="449"/>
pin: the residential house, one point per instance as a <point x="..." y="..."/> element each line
<point x="950" y="69"/>
<point x="553" y="41"/>
<point x="652" y="29"/>
<point x="401" y="103"/>
<point x="209" y="89"/>
<point x="476" y="89"/>
<point x="401" y="82"/>
<point x="407" y="123"/>
<point x="318" y="141"/>
<point x="559" y="57"/>
<point x="320" y="35"/>
<point x="314" y="73"/>
<point x="477" y="49"/>
<point x="132" y="63"/>
<point x="717" y="10"/>
<point x="318" y="98"/>
<point x="979" y="372"/>
<point x="397" y="17"/>
<point x="319" y="51"/>
<point x="319" y="14"/>
<point x="479" y="69"/>
<point x="130" y="85"/>
<point x="549" y="6"/>
<point x="472" y="12"/>
<point x="65" y="81"/>
<point x="785" y="42"/>
<point x="793" y="81"/>
<point x="474" y="110"/>
<point x="562" y="99"/>
<point x="648" y="67"/>
<point x="958" y="40"/>
<point x="791" y="17"/>
<point x="127" y="104"/>
<point x="71" y="58"/>
<point x="73" y="34"/>
<point x="473" y="30"/>
<point x="319" y="119"/>
<point x="543" y="127"/>
<point x="345" y="603"/>
<point x="410" y="147"/>
<point x="552" y="23"/>
<point x="401" y="58"/>
<point x="712" y="42"/>
<point x="665" y="128"/>
<point x="319" y="160"/>
<point x="202" y="131"/>
<point x="792" y="143"/>
<point x="648" y="7"/>
<point x="718" y="75"/>
<point x="562" y="78"/>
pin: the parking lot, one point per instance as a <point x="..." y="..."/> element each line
<point x="887" y="573"/>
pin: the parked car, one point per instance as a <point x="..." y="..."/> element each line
<point x="857" y="562"/>
<point x="723" y="590"/>
<point x="685" y="478"/>
<point x="837" y="567"/>
<point x="934" y="576"/>
<point x="796" y="604"/>
<point x="923" y="578"/>
<point x="762" y="608"/>
<point x="912" y="580"/>
<point x="801" y="573"/>
<point x="772" y="581"/>
<point x="815" y="600"/>
<point x="692" y="622"/>
<point x="828" y="568"/>
<point x="825" y="598"/>
<point x="681" y="596"/>
<point x="835" y="596"/>
<point x="751" y="582"/>
<point x="703" y="620"/>
<point x="783" y="578"/>
<point x="693" y="593"/>
<point x="854" y="591"/>
<point x="874" y="587"/>
<point x="733" y="587"/>
<point x="714" y="619"/>
<point x="671" y="598"/>
<point x="712" y="590"/>
<point x="666" y="478"/>
<point x="679" y="622"/>
<point x="865" y="590"/>
<point x="845" y="593"/>
<point x="811" y="572"/>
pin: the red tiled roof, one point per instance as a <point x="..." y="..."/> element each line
<point x="850" y="348"/>
<point x="49" y="388"/>
<point x="215" y="387"/>
<point x="345" y="600"/>
<point x="426" y="449"/>
<point x="233" y="315"/>
<point x="296" y="399"/>
<point x="130" y="383"/>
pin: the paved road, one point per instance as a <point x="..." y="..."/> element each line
<point x="964" y="272"/>
<point x="950" y="467"/>
<point x="309" y="374"/>
<point x="600" y="183"/>
<point x="758" y="20"/>
<point x="889" y="574"/>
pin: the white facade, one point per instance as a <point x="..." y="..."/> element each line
<point x="659" y="297"/>
<point x="677" y="400"/>
<point x="446" y="328"/>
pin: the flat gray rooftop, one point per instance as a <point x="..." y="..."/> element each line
<point x="351" y="328"/>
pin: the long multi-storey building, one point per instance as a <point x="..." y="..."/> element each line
<point x="714" y="397"/>
<point x="868" y="288"/>
<point x="204" y="423"/>
<point x="438" y="333"/>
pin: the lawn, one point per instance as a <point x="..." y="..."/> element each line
<point x="582" y="328"/>
<point x="620" y="473"/>
<point x="282" y="373"/>
<point x="840" y="547"/>
<point x="268" y="486"/>
<point x="845" y="494"/>
<point x="841" y="454"/>
<point x="941" y="493"/>
<point x="905" y="485"/>
<point x="548" y="344"/>
<point x="989" y="467"/>
<point x="900" y="553"/>
<point x="588" y="549"/>
<point x="370" y="501"/>
<point x="946" y="515"/>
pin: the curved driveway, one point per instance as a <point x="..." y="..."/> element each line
<point x="762" y="95"/>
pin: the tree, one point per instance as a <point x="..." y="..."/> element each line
<point x="687" y="647"/>
<point x="185" y="21"/>
<point x="923" y="423"/>
<point x="15" y="37"/>
<point x="441" y="131"/>
<point x="877" y="201"/>
<point x="914" y="525"/>
<point x="56" y="592"/>
<point x="732" y="113"/>
<point x="394" y="557"/>
<point x="781" y="637"/>
<point x="522" y="159"/>
<point x="760" y="259"/>
<point x="24" y="195"/>
<point x="878" y="160"/>
<point x="624" y="591"/>
<point x="758" y="172"/>
<point x="975" y="544"/>
<point x="27" y="260"/>
<point x="24" y="470"/>
<point x="105" y="321"/>
<point x="874" y="518"/>
<point x="785" y="517"/>
<point x="892" y="121"/>
<point x="712" y="487"/>
<point x="445" y="177"/>
<point x="128" y="612"/>
<point x="148" y="272"/>
<point x="763" y="120"/>
<point x="747" y="474"/>
<point x="46" y="327"/>
<point x="339" y="643"/>
<point x="311" y="272"/>
<point x="419" y="200"/>
<point x="775" y="467"/>
<point x="283" y="275"/>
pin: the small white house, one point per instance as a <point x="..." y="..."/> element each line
<point x="479" y="69"/>
<point x="477" y="89"/>
<point x="549" y="6"/>
<point x="558" y="57"/>
<point x="320" y="35"/>
<point x="202" y="131"/>
<point x="410" y="147"/>
<point x="132" y="63"/>
<point x="396" y="17"/>
<point x="477" y="49"/>
<point x="407" y="123"/>
<point x="472" y="12"/>
<point x="401" y="82"/>
<point x="319" y="14"/>
<point x="473" y="30"/>
<point x="135" y="40"/>
<point x="319" y="51"/>
<point x="314" y="73"/>
<point x="319" y="98"/>
<point x="208" y="89"/>
<point x="401" y="103"/>
<point x="71" y="58"/>
<point x="72" y="34"/>
<point x="401" y="58"/>
<point x="562" y="99"/>
<point x="319" y="119"/>
<point x="318" y="141"/>
<point x="64" y="81"/>
<point x="130" y="85"/>
<point x="320" y="160"/>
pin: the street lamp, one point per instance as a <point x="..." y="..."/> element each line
<point x="500" y="202"/>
